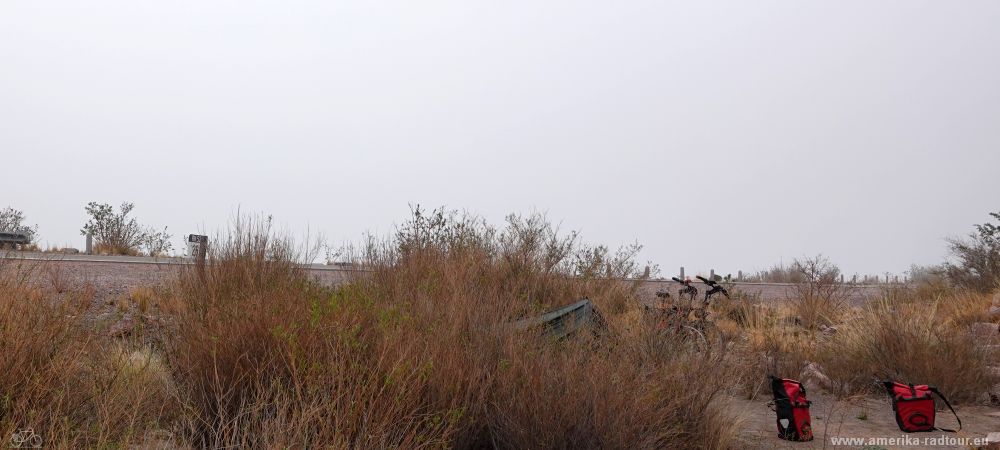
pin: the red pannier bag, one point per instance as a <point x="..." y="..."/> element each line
<point x="792" y="407"/>
<point x="914" y="406"/>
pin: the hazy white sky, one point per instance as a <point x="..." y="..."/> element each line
<point x="727" y="135"/>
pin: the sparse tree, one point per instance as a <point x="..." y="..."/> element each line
<point x="818" y="277"/>
<point x="13" y="221"/>
<point x="820" y="297"/>
<point x="976" y="263"/>
<point x="157" y="243"/>
<point x="600" y="261"/>
<point x="817" y="270"/>
<point x="116" y="232"/>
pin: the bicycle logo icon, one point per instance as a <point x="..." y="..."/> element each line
<point x="25" y="438"/>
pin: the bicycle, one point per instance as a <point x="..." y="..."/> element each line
<point x="715" y="288"/>
<point x="688" y="289"/>
<point x="675" y="323"/>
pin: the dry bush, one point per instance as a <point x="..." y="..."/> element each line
<point x="963" y="308"/>
<point x="57" y="280"/>
<point x="650" y="391"/>
<point x="956" y="308"/>
<point x="772" y="344"/>
<point x="915" y="341"/>
<point x="778" y="273"/>
<point x="976" y="263"/>
<point x="906" y="335"/>
<point x="929" y="281"/>
<point x="41" y="356"/>
<point x="816" y="310"/>
<point x="819" y="299"/>
<point x="118" y="233"/>
<point x="419" y="352"/>
<point x="59" y="379"/>
<point x="265" y="358"/>
<point x="933" y="289"/>
<point x="131" y="393"/>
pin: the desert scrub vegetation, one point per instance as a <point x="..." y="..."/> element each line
<point x="976" y="258"/>
<point x="777" y="273"/>
<point x="819" y="298"/>
<point x="419" y="352"/>
<point x="418" y="348"/>
<point x="118" y="233"/>
<point x="57" y="377"/>
<point x="921" y="333"/>
<point x="913" y="339"/>
<point x="904" y="335"/>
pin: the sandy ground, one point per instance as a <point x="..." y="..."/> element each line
<point x="859" y="418"/>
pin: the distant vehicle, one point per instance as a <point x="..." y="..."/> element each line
<point x="13" y="239"/>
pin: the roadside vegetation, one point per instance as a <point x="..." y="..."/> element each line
<point x="14" y="221"/>
<point x="975" y="263"/>
<point x="116" y="232"/>
<point x="418" y="349"/>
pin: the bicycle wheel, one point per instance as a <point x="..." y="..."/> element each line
<point x="695" y="337"/>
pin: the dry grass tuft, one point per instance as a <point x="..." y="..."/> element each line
<point x="143" y="297"/>
<point x="771" y="342"/>
<point x="917" y="341"/>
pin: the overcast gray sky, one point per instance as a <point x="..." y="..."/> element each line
<point x="727" y="135"/>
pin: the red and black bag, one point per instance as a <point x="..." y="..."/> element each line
<point x="914" y="406"/>
<point x="792" y="407"/>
